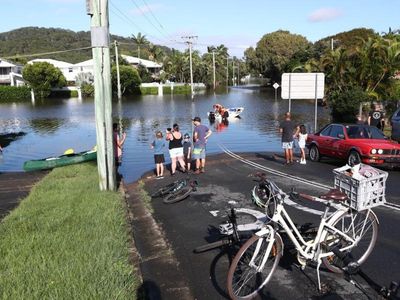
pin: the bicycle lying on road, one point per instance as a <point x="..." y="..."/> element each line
<point x="176" y="191"/>
<point x="231" y="233"/>
<point x="254" y="264"/>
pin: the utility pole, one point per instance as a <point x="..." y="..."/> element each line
<point x="100" y="41"/>
<point x="189" y="42"/>
<point x="233" y="72"/>
<point x="213" y="54"/>
<point x="238" y="72"/>
<point x="227" y="71"/>
<point x="118" y="77"/>
<point x="332" y="44"/>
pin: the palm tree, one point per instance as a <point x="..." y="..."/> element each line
<point x="140" y="40"/>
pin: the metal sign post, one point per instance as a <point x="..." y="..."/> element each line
<point x="303" y="86"/>
<point x="276" y="86"/>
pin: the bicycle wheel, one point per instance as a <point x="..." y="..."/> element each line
<point x="178" y="195"/>
<point x="165" y="190"/>
<point x="244" y="280"/>
<point x="363" y="228"/>
<point x="213" y="245"/>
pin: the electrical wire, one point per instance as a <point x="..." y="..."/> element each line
<point x="46" y="53"/>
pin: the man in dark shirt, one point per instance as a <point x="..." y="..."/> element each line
<point x="375" y="117"/>
<point x="288" y="129"/>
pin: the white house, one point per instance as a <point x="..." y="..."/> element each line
<point x="65" y="68"/>
<point x="10" y="74"/>
<point x="153" y="67"/>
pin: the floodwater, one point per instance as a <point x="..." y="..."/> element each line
<point x="50" y="127"/>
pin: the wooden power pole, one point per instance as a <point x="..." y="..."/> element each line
<point x="100" y="40"/>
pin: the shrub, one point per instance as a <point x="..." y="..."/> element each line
<point x="64" y="94"/>
<point x="87" y="90"/>
<point x="346" y="104"/>
<point x="14" y="93"/>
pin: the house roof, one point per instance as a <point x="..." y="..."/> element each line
<point x="56" y="63"/>
<point x="86" y="63"/>
<point x="139" y="61"/>
<point x="6" y="64"/>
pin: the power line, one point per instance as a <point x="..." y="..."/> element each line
<point x="130" y="21"/>
<point x="148" y="19"/>
<point x="46" y="53"/>
<point x="151" y="12"/>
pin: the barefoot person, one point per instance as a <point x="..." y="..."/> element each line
<point x="175" y="148"/>
<point x="288" y="129"/>
<point x="200" y="135"/>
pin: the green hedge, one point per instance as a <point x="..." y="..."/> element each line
<point x="149" y="90"/>
<point x="181" y="89"/>
<point x="14" y="93"/>
<point x="64" y="94"/>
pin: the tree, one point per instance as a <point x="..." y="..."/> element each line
<point x="140" y="40"/>
<point x="129" y="78"/>
<point x="274" y="51"/>
<point x="42" y="76"/>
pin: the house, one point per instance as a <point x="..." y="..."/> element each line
<point x="151" y="66"/>
<point x="10" y="74"/>
<point x="65" y="68"/>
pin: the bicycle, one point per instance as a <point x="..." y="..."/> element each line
<point x="233" y="233"/>
<point x="256" y="261"/>
<point x="176" y="191"/>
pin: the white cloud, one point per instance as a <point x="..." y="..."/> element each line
<point x="324" y="14"/>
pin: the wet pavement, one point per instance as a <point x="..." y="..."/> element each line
<point x="182" y="226"/>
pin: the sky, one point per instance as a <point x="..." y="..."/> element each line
<point x="238" y="24"/>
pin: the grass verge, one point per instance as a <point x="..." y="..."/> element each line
<point x="67" y="240"/>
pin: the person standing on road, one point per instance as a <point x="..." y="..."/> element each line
<point x="175" y="148"/>
<point x="302" y="143"/>
<point x="200" y="135"/>
<point x="375" y="117"/>
<point x="187" y="151"/>
<point x="289" y="130"/>
<point x="158" y="145"/>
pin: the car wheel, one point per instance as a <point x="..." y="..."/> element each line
<point x="354" y="158"/>
<point x="314" y="153"/>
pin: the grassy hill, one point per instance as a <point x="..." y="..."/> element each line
<point x="32" y="40"/>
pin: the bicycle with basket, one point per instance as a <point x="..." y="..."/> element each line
<point x="351" y="228"/>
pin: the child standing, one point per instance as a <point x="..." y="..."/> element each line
<point x="187" y="151"/>
<point x="158" y="145"/>
<point x="302" y="143"/>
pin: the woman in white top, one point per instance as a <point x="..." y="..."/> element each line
<point x="302" y="143"/>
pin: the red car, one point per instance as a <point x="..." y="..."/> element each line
<point x="354" y="142"/>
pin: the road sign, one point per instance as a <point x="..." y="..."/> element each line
<point x="275" y="85"/>
<point x="302" y="85"/>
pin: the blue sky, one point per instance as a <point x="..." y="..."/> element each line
<point x="237" y="24"/>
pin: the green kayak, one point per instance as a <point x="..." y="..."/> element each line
<point x="60" y="161"/>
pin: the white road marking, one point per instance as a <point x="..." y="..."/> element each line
<point x="389" y="205"/>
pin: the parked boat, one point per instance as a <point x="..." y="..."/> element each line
<point x="232" y="112"/>
<point x="60" y="161"/>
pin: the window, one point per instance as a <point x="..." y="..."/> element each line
<point x="70" y="70"/>
<point x="336" y="130"/>
<point x="325" y="131"/>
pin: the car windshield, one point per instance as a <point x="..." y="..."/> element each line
<point x="364" y="132"/>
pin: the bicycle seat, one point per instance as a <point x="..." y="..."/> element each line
<point x="334" y="194"/>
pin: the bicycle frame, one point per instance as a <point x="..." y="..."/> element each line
<point x="310" y="250"/>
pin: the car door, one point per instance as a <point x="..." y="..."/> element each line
<point x="325" y="141"/>
<point x="338" y="142"/>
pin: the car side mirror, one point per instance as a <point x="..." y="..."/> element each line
<point x="340" y="136"/>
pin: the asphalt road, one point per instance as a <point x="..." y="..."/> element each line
<point x="226" y="184"/>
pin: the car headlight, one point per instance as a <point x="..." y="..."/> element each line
<point x="380" y="151"/>
<point x="373" y="151"/>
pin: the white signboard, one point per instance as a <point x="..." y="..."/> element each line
<point x="302" y="85"/>
<point x="275" y="85"/>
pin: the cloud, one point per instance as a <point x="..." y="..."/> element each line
<point x="324" y="14"/>
<point x="145" y="9"/>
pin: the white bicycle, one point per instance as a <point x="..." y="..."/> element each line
<point x="345" y="229"/>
